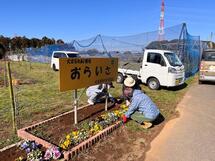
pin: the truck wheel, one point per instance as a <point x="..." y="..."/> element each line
<point x="153" y="84"/>
<point x="120" y="78"/>
<point x="54" y="67"/>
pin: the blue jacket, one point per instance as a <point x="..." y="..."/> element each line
<point x="143" y="104"/>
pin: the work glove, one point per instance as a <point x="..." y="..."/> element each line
<point x="127" y="102"/>
<point x="113" y="100"/>
<point x="124" y="118"/>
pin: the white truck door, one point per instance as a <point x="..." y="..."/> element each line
<point x="154" y="65"/>
<point x="61" y="55"/>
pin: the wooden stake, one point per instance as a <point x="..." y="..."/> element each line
<point x="13" y="108"/>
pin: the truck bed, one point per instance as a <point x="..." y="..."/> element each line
<point x="129" y="71"/>
<point x="131" y="65"/>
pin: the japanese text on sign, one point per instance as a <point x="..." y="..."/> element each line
<point x="77" y="73"/>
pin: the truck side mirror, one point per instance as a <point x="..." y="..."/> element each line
<point x="139" y="60"/>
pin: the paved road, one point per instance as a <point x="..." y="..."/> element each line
<point x="191" y="137"/>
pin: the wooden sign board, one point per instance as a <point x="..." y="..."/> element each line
<point x="78" y="73"/>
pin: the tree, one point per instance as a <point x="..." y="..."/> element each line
<point x="16" y="43"/>
<point x="25" y="42"/>
<point x="60" y="41"/>
<point x="2" y="51"/>
<point x="5" y="41"/>
<point x="35" y="43"/>
<point x="53" y="41"/>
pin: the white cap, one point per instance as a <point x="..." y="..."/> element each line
<point x="129" y="82"/>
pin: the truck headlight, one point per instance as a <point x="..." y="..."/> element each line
<point x="172" y="70"/>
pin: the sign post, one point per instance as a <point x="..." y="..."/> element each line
<point x="106" y="98"/>
<point x="75" y="105"/>
<point x="78" y="73"/>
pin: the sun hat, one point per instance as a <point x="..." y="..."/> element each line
<point x="129" y="82"/>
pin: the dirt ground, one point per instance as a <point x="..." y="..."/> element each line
<point x="128" y="142"/>
<point x="11" y="154"/>
<point x="122" y="145"/>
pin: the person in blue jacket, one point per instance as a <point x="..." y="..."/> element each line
<point x="141" y="108"/>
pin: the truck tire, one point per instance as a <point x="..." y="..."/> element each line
<point x="54" y="67"/>
<point x="120" y="78"/>
<point x="153" y="83"/>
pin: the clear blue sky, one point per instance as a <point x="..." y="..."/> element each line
<point x="80" y="19"/>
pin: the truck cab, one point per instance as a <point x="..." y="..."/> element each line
<point x="158" y="68"/>
<point x="207" y="66"/>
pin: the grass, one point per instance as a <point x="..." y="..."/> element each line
<point x="39" y="98"/>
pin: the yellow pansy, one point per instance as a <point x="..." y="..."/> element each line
<point x="67" y="143"/>
<point x="63" y="146"/>
<point x="68" y="136"/>
<point x="123" y="106"/>
<point x="75" y="133"/>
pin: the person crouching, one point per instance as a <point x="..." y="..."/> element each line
<point x="141" y="108"/>
<point x="97" y="93"/>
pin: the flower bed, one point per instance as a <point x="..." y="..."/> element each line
<point x="73" y="139"/>
<point x="35" y="152"/>
<point x="91" y="128"/>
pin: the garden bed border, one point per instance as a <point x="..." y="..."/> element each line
<point x="10" y="146"/>
<point x="68" y="154"/>
<point x="24" y="134"/>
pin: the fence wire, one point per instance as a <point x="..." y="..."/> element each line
<point x="175" y="38"/>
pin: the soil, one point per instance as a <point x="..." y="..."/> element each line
<point x="114" y="147"/>
<point x="55" y="130"/>
<point x="11" y="154"/>
<point x="123" y="144"/>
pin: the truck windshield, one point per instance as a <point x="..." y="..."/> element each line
<point x="208" y="56"/>
<point x="72" y="55"/>
<point x="173" y="59"/>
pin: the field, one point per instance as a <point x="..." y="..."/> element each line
<point x="38" y="98"/>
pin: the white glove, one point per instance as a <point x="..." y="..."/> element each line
<point x="127" y="102"/>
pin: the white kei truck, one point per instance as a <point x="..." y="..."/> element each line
<point x="158" y="68"/>
<point x="61" y="54"/>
